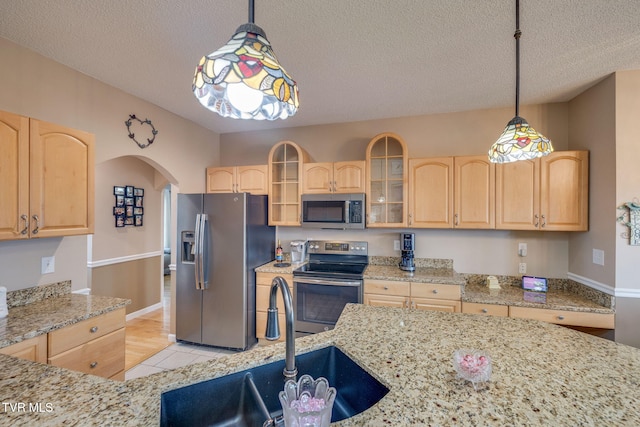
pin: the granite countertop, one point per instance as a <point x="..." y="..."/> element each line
<point x="40" y="317"/>
<point x="543" y="374"/>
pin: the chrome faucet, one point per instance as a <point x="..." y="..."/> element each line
<point x="273" y="329"/>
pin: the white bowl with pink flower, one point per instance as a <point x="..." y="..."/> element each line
<point x="472" y="365"/>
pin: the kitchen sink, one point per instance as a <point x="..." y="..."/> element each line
<point x="250" y="397"/>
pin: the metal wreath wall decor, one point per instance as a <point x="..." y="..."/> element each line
<point x="132" y="135"/>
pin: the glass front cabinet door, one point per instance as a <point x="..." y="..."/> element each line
<point x="387" y="181"/>
<point x="285" y="173"/>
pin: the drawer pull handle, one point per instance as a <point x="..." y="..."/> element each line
<point x="93" y="365"/>
<point x="386" y="288"/>
<point x="435" y="291"/>
<point x="93" y="330"/>
<point x="560" y="317"/>
<point x="484" y="310"/>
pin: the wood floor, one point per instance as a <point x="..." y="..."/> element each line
<point x="147" y="335"/>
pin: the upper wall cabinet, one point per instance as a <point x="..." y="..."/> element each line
<point x="238" y="179"/>
<point x="451" y="192"/>
<point x="338" y="177"/>
<point x="47" y="173"/>
<point x="386" y="181"/>
<point x="474" y="192"/>
<point x="431" y="192"/>
<point x="286" y="161"/>
<point x="549" y="193"/>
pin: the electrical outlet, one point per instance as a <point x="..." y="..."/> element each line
<point x="598" y="256"/>
<point x="48" y="264"/>
<point x="522" y="249"/>
<point x="396" y="245"/>
<point x="522" y="268"/>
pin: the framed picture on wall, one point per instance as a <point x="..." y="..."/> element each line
<point x="128" y="220"/>
<point x="138" y="211"/>
<point x="138" y="192"/>
<point x="138" y="220"/>
<point x="119" y="221"/>
<point x="138" y="201"/>
<point x="118" y="210"/>
<point x="129" y="211"/>
<point x="129" y="191"/>
<point x="119" y="200"/>
<point x="128" y="201"/>
<point x="118" y="190"/>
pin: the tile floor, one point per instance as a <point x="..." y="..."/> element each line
<point x="175" y="356"/>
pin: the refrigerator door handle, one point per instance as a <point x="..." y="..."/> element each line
<point x="204" y="270"/>
<point x="196" y="258"/>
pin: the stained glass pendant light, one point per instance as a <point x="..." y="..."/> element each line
<point x="244" y="80"/>
<point x="519" y="141"/>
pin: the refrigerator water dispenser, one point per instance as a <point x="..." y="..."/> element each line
<point x="188" y="247"/>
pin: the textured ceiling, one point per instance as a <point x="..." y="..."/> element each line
<point x="352" y="60"/>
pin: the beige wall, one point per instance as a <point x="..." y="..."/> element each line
<point x="35" y="86"/>
<point x="463" y="133"/>
<point x="592" y="126"/>
<point x="128" y="279"/>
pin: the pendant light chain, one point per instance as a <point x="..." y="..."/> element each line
<point x="517" y="35"/>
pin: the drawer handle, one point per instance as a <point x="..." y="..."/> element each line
<point x="484" y="310"/>
<point x="386" y="288"/>
<point x="93" y="330"/>
<point x="435" y="291"/>
<point x="560" y="317"/>
<point x="93" y="365"/>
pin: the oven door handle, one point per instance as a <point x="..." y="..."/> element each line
<point x="329" y="282"/>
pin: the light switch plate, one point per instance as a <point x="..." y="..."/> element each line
<point x="522" y="249"/>
<point x="396" y="245"/>
<point x="48" y="264"/>
<point x="598" y="256"/>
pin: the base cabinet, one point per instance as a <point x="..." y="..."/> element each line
<point x="94" y="346"/>
<point x="419" y="296"/>
<point x="33" y="349"/>
<point x="559" y="317"/>
<point x="263" y="291"/>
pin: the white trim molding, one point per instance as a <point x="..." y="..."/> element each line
<point x="127" y="258"/>
<point x="616" y="292"/>
<point x="144" y="311"/>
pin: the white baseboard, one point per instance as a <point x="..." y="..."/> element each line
<point x="172" y="338"/>
<point x="143" y="311"/>
<point x="617" y="292"/>
<point x="84" y="291"/>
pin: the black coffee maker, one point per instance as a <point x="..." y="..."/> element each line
<point x="407" y="245"/>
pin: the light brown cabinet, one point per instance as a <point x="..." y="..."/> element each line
<point x="421" y="296"/>
<point x="34" y="349"/>
<point x="431" y="192"/>
<point x="263" y="290"/>
<point x="486" y="309"/>
<point x="47" y="173"/>
<point x="94" y="346"/>
<point x="565" y="317"/>
<point x="452" y="192"/>
<point x="238" y="179"/>
<point x="474" y="192"/>
<point x="387" y="188"/>
<point x="338" y="177"/>
<point x="286" y="161"/>
<point x="549" y="193"/>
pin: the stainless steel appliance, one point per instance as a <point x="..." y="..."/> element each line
<point x="334" y="211"/>
<point x="407" y="245"/>
<point x="332" y="278"/>
<point x="223" y="237"/>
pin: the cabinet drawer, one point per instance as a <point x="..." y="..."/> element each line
<point x="103" y="356"/>
<point x="386" y="300"/>
<point x="81" y="332"/>
<point x="387" y="287"/>
<point x="435" y="290"/>
<point x="266" y="278"/>
<point x="563" y="317"/>
<point x="448" y="306"/>
<point x="33" y="349"/>
<point x="488" y="309"/>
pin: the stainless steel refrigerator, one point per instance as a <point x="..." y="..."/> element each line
<point x="222" y="239"/>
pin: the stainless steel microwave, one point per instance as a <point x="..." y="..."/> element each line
<point x="337" y="211"/>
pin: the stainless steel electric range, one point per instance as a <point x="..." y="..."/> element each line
<point x="332" y="278"/>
